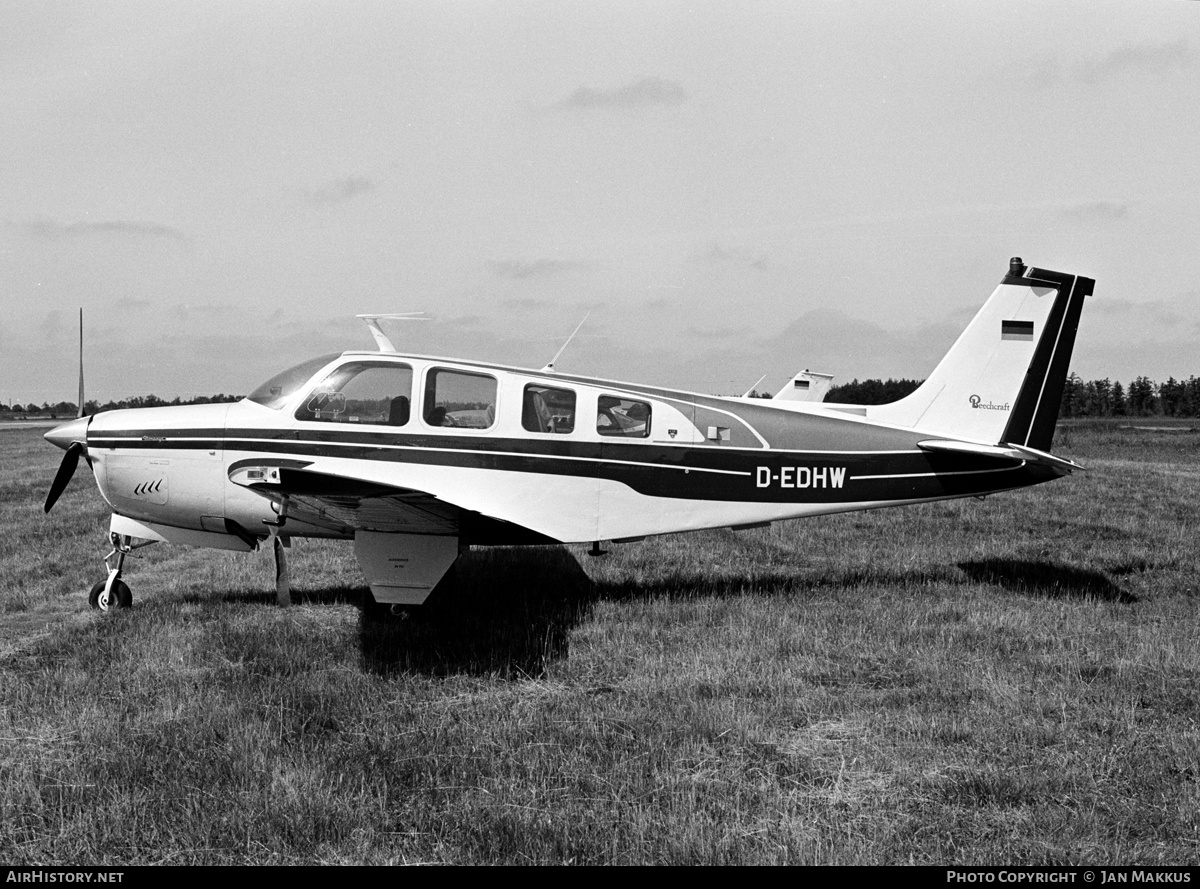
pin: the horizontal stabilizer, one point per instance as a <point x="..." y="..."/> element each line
<point x="1019" y="453"/>
<point x="1060" y="464"/>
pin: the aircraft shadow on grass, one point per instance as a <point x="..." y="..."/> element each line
<point x="506" y="612"/>
<point x="510" y="612"/>
<point x="1046" y="579"/>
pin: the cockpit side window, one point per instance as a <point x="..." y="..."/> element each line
<point x="374" y="394"/>
<point x="275" y="392"/>
<point x="461" y="399"/>
<point x="548" y="409"/>
<point x="622" y="417"/>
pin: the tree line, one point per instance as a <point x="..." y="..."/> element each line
<point x="71" y="408"/>
<point x="1143" y="397"/>
<point x="866" y="392"/>
<point x="871" y="391"/>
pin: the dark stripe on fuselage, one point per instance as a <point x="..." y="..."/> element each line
<point x="670" y="471"/>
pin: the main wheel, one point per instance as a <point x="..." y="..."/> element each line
<point x="121" y="597"/>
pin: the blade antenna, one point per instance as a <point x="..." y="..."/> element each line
<point x="381" y="338"/>
<point x="81" y="402"/>
<point x="549" y="368"/>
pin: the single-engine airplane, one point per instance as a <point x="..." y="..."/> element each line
<point x="415" y="457"/>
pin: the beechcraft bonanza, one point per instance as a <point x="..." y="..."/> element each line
<point x="414" y="458"/>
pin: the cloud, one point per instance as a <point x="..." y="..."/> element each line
<point x="1097" y="211"/>
<point x="52" y="325"/>
<point x="342" y="190"/>
<point x="641" y="94"/>
<point x="213" y="312"/>
<point x="830" y="341"/>
<point x="1043" y="73"/>
<point x="1153" y="58"/>
<point x="735" y="258"/>
<point x="47" y="229"/>
<point x="526" y="304"/>
<point x="723" y="332"/>
<point x="519" y="270"/>
<point x="1049" y="72"/>
<point x="1171" y="314"/>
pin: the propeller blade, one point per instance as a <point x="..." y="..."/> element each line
<point x="66" y="469"/>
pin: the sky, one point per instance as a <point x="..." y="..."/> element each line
<point x="724" y="189"/>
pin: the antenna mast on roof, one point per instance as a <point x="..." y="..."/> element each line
<point x="549" y="368"/>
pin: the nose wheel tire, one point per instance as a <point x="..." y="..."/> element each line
<point x="119" y="597"/>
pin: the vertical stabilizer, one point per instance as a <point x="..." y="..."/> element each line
<point x="1003" y="379"/>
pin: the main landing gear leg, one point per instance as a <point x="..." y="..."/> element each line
<point x="283" y="579"/>
<point x="113" y="593"/>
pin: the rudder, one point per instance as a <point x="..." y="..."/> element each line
<point x="1035" y="412"/>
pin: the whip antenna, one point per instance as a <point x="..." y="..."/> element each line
<point x="549" y="368"/>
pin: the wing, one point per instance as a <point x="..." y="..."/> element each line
<point x="346" y="504"/>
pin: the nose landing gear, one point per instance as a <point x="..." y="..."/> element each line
<point x="113" y="593"/>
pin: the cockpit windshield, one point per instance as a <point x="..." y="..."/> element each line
<point x="275" y="391"/>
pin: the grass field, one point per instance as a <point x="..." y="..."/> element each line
<point x="1006" y="681"/>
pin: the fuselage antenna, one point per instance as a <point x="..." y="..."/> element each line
<point x="381" y="338"/>
<point x="549" y="368"/>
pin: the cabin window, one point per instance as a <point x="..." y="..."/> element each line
<point x="546" y="409"/>
<point x="376" y="394"/>
<point x="277" y="390"/>
<point x="622" y="417"/>
<point x="458" y="399"/>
